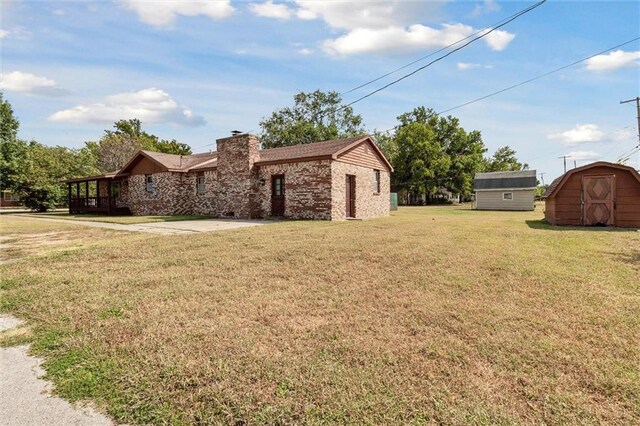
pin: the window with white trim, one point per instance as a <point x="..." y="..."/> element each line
<point x="376" y="181"/>
<point x="200" y="183"/>
<point x="149" y="179"/>
<point x="507" y="196"/>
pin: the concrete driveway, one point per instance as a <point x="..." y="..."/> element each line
<point x="25" y="398"/>
<point x="166" y="228"/>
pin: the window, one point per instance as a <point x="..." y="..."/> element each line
<point x="507" y="196"/>
<point x="278" y="186"/>
<point x="9" y="196"/>
<point x="200" y="183"/>
<point x="149" y="179"/>
<point x="115" y="189"/>
<point x="376" y="181"/>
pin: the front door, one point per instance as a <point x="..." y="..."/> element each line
<point x="598" y="194"/>
<point x="350" y="196"/>
<point x="277" y="195"/>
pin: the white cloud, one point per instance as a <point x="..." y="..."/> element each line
<point x="374" y="14"/>
<point x="582" y="133"/>
<point x="583" y="155"/>
<point x="305" y="51"/>
<point x="31" y="84"/>
<point x="163" y="13"/>
<point x="16" y="33"/>
<point x="499" y="40"/>
<point x="489" y="6"/>
<point x="613" y="61"/>
<point x="149" y="105"/>
<point x="399" y="39"/>
<point x="379" y="26"/>
<point x="625" y="134"/>
<point x="463" y="66"/>
<point x="269" y="9"/>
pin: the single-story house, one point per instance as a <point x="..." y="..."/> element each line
<point x="600" y="193"/>
<point x="505" y="190"/>
<point x="331" y="180"/>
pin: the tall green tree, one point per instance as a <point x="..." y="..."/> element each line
<point x="43" y="168"/>
<point x="33" y="170"/>
<point x="315" y="116"/>
<point x="9" y="125"/>
<point x="464" y="149"/>
<point x="504" y="160"/>
<point x="420" y="162"/>
<point x="117" y="146"/>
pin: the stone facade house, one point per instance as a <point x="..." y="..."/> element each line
<point x="330" y="180"/>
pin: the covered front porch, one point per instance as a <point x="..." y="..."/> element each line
<point x="97" y="194"/>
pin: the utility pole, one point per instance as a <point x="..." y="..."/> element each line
<point x="575" y="164"/>
<point x="637" y="101"/>
<point x="564" y="157"/>
<point x="542" y="178"/>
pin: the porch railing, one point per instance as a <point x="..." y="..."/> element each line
<point x="89" y="203"/>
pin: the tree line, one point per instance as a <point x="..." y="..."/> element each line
<point x="428" y="152"/>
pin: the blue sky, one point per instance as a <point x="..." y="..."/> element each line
<point x="194" y="70"/>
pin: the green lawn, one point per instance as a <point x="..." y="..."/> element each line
<point x="119" y="219"/>
<point x="433" y="315"/>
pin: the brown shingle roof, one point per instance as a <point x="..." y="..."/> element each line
<point x="317" y="150"/>
<point x="310" y="150"/>
<point x="179" y="162"/>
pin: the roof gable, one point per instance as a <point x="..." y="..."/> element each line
<point x="559" y="181"/>
<point x="170" y="162"/>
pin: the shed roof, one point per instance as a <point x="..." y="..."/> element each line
<point x="524" y="179"/>
<point x="559" y="181"/>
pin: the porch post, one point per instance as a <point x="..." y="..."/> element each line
<point x="97" y="192"/>
<point x="86" y="192"/>
<point x="69" y="190"/>
<point x="109" y="194"/>
<point x="78" y="193"/>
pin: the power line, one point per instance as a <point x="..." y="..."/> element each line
<point x="538" y="77"/>
<point x="512" y="18"/>
<point x="427" y="56"/>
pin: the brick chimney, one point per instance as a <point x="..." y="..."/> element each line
<point x="236" y="174"/>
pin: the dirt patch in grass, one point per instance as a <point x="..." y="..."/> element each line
<point x="434" y="315"/>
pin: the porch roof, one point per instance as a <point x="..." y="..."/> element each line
<point x="105" y="176"/>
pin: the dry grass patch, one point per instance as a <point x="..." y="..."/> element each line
<point x="432" y="315"/>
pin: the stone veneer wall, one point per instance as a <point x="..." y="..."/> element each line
<point x="307" y="188"/>
<point x="368" y="204"/>
<point x="166" y="198"/>
<point x="203" y="204"/>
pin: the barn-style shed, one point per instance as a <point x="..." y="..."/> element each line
<point x="600" y="193"/>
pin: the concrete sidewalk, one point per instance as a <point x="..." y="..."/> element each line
<point x="25" y="398"/>
<point x="165" y="228"/>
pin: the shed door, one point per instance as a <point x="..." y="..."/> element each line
<point x="598" y="195"/>
<point x="277" y="195"/>
<point x="351" y="196"/>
